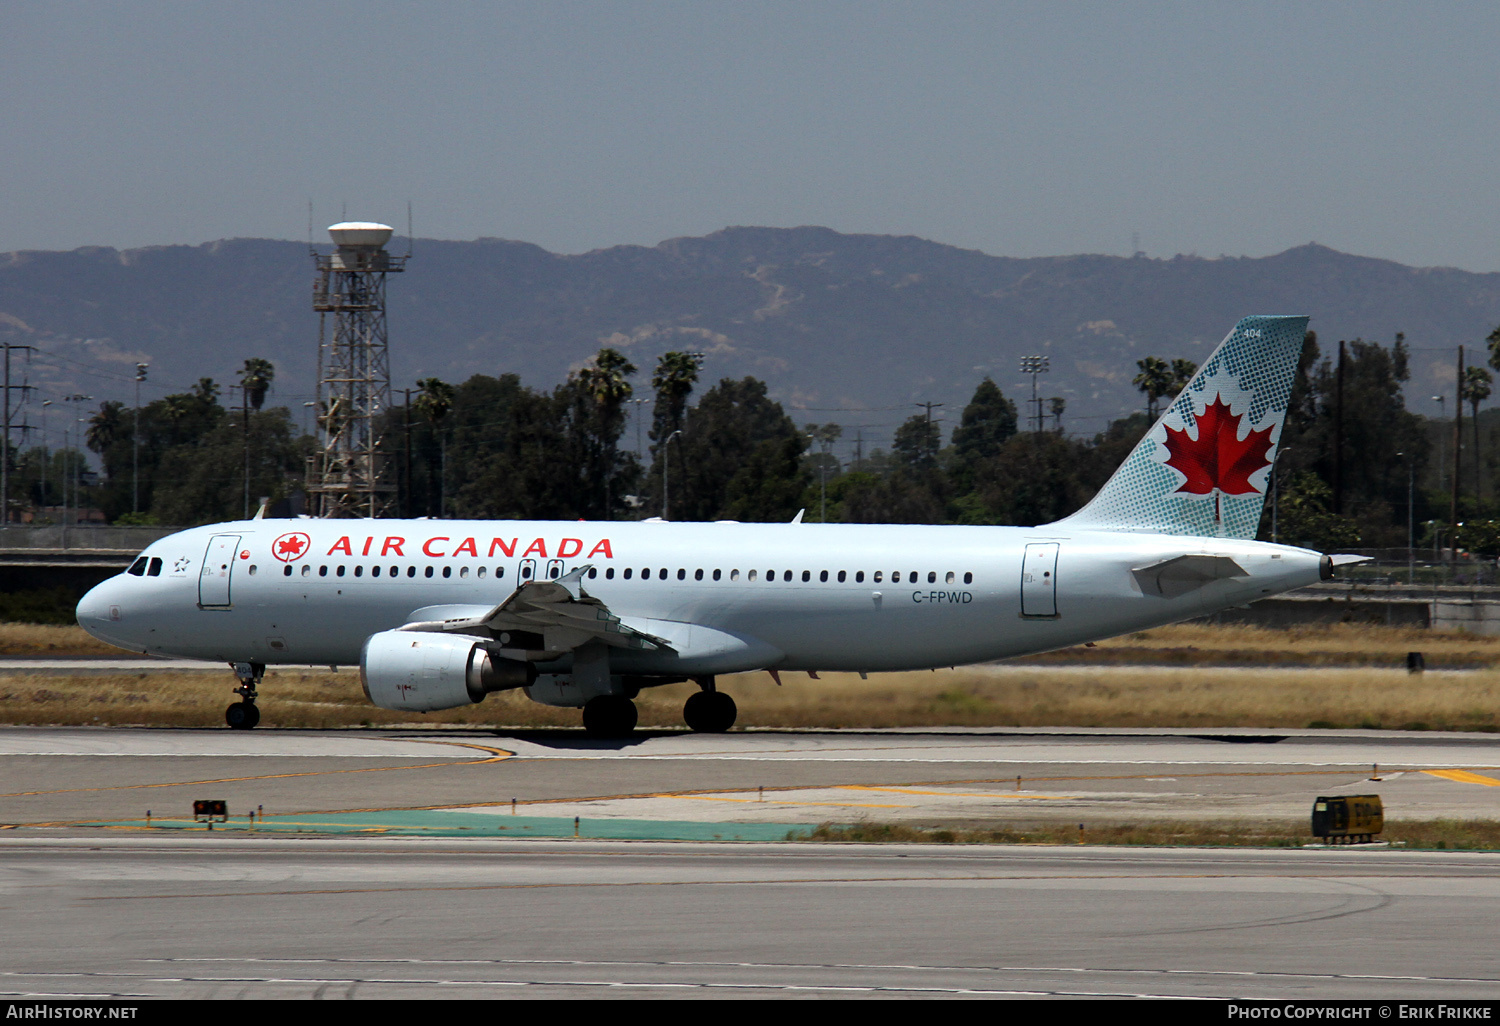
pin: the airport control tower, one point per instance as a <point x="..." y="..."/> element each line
<point x="354" y="373"/>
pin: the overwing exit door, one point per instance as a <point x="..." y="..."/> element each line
<point x="1039" y="580"/>
<point x="218" y="566"/>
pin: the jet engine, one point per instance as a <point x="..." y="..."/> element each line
<point x="418" y="671"/>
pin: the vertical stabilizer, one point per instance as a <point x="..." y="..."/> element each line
<point x="1203" y="467"/>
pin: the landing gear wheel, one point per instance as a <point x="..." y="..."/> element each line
<point x="710" y="712"/>
<point x="610" y="716"/>
<point x="242" y="715"/>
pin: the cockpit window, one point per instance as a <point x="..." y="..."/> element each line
<point x="138" y="567"/>
<point x="155" y="568"/>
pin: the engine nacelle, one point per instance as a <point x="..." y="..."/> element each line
<point x="419" y="671"/>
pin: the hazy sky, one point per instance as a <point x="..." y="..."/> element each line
<point x="1019" y="129"/>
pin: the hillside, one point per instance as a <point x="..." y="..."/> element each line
<point x="831" y="321"/>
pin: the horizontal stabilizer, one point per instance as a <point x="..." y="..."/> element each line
<point x="1182" y="574"/>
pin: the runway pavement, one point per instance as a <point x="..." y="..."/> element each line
<point x="224" y="917"/>
<point x="107" y="906"/>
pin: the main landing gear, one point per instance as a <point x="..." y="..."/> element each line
<point x="609" y="716"/>
<point x="709" y="711"/>
<point x="245" y="714"/>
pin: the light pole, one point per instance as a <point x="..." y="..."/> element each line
<point x="666" y="467"/>
<point x="135" y="442"/>
<point x="1035" y="365"/>
<point x="1411" y="550"/>
<point x="68" y="461"/>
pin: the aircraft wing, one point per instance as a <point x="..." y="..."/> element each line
<point x="543" y="619"/>
<point x="1182" y="574"/>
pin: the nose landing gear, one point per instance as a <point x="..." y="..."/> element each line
<point x="709" y="711"/>
<point x="245" y="714"/>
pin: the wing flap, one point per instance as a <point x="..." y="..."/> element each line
<point x="559" y="613"/>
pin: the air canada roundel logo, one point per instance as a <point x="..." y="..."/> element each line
<point x="291" y="547"/>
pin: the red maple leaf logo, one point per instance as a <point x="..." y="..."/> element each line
<point x="1218" y="458"/>
<point x="289" y="546"/>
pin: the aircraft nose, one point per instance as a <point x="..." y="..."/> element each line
<point x="94" y="606"/>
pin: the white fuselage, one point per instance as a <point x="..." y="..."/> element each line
<point x="726" y="596"/>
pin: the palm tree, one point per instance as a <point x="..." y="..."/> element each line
<point x="433" y="403"/>
<point x="1155" y="379"/>
<point x="1476" y="389"/>
<point x="606" y="387"/>
<point x="1182" y="373"/>
<point x="105" y="426"/>
<point x="255" y="379"/>
<point x="676" y="374"/>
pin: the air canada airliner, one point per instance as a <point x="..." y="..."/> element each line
<point x="439" y="613"/>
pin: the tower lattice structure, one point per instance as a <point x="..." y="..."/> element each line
<point x="345" y="477"/>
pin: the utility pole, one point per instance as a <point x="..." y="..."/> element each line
<point x="1441" y="400"/>
<point x="1458" y="438"/>
<point x="406" y="488"/>
<point x="1338" y="435"/>
<point x="135" y="442"/>
<point x="5" y="461"/>
<point x="927" y="438"/>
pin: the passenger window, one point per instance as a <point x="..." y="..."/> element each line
<point x="287" y="570"/>
<point x="482" y="571"/>
<point x="697" y="575"/>
<point x="499" y="572"/>
<point x="646" y="573"/>
<point x="359" y="571"/>
<point x="593" y="572"/>
<point x="895" y="577"/>
<point x="877" y="576"/>
<point x="395" y="571"/>
<point x="949" y="578"/>
<point x="609" y="573"/>
<point x="340" y="571"/>
<point x="859" y="577"/>
<point x="306" y="569"/>
<point x="138" y="567"/>
<point x="411" y="571"/>
<point x="751" y="576"/>
<point x="842" y="575"/>
<point x="252" y="570"/>
<point x="823" y="577"/>
<point x="428" y="572"/>
<point x="323" y="571"/>
<point x="463" y="571"/>
<point x="447" y="571"/>
<point x="771" y="576"/>
<point x="682" y="574"/>
<point x="628" y="572"/>
<point x="717" y="574"/>
<point x="931" y="577"/>
<point x="968" y="578"/>
<point x="807" y="576"/>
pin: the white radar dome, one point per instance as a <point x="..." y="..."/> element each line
<point x="360" y="233"/>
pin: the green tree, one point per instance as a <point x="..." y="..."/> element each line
<point x="989" y="421"/>
<point x="200" y="482"/>
<point x="719" y="435"/>
<point x="434" y="400"/>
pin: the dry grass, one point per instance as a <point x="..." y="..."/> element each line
<point x="1451" y="834"/>
<point x="50" y="640"/>
<point x="1318" y="645"/>
<point x="1024" y="696"/>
